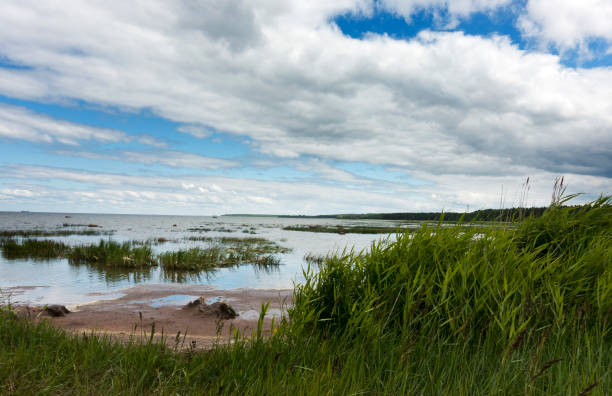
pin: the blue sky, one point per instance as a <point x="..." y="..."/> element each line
<point x="207" y="107"/>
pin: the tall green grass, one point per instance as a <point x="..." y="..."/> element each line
<point x="113" y="254"/>
<point x="32" y="248"/>
<point x="457" y="284"/>
<point x="206" y="259"/>
<point x="525" y="310"/>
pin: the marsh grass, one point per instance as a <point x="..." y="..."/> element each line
<point x="33" y="248"/>
<point x="113" y="254"/>
<point x="49" y="233"/>
<point x="524" y="310"/>
<point x="314" y="259"/>
<point x="223" y="252"/>
<point x="340" y="229"/>
<point x="206" y="259"/>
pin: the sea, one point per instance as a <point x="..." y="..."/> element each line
<point x="57" y="281"/>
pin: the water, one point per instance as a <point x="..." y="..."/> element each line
<point x="58" y="281"/>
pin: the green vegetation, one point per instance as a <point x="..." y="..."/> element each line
<point x="225" y="252"/>
<point x="113" y="254"/>
<point x="200" y="229"/>
<point x="228" y="252"/>
<point x="443" y="310"/>
<point x="311" y="259"/>
<point x="477" y="215"/>
<point x="46" y="233"/>
<point x="340" y="229"/>
<point x="199" y="259"/>
<point x="482" y="215"/>
<point x="33" y="248"/>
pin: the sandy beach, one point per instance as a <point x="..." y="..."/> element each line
<point x="163" y="306"/>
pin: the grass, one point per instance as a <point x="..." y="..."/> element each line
<point x="33" y="248"/>
<point x="113" y="254"/>
<point x="357" y="229"/>
<point x="314" y="259"/>
<point x="225" y="252"/>
<point x="47" y="233"/>
<point x="443" y="310"/>
<point x="343" y="229"/>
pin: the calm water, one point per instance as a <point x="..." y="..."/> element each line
<point x="57" y="281"/>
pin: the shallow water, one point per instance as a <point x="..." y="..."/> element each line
<point x="58" y="281"/>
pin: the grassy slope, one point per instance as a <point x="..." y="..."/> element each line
<point x="439" y="311"/>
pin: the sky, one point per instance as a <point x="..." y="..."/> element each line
<point x="204" y="107"/>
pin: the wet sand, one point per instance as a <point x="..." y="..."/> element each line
<point x="142" y="307"/>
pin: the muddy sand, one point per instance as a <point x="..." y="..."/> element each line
<point x="141" y="307"/>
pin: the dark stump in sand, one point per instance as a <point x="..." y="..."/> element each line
<point x="56" y="310"/>
<point x="220" y="309"/>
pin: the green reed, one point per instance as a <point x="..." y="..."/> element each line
<point x="113" y="254"/>
<point x="32" y="248"/>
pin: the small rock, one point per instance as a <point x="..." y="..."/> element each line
<point x="195" y="303"/>
<point x="220" y="309"/>
<point x="56" y="310"/>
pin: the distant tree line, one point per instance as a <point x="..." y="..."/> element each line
<point x="478" y="215"/>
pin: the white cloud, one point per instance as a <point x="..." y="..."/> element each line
<point x="20" y="123"/>
<point x="195" y="130"/>
<point x="151" y="141"/>
<point x="568" y="23"/>
<point x="445" y="106"/>
<point x="211" y="194"/>
<point x="455" y="8"/>
<point x="176" y="159"/>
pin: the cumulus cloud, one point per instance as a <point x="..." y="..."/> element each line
<point x="454" y="9"/>
<point x="445" y="105"/>
<point x="566" y="23"/>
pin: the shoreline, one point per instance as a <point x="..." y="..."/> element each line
<point x="160" y="307"/>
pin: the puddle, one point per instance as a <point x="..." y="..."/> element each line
<point x="175" y="299"/>
<point x="212" y="300"/>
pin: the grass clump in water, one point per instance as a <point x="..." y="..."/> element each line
<point x="33" y="248"/>
<point x="48" y="233"/>
<point x="339" y="229"/>
<point x="113" y="254"/>
<point x="206" y="259"/>
<point x="195" y="259"/>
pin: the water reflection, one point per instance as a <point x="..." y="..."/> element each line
<point x="174" y="276"/>
<point x="111" y="275"/>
